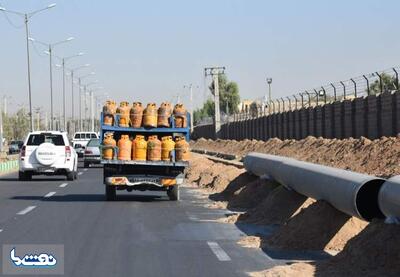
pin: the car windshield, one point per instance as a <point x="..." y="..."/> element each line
<point x="77" y="136"/>
<point x="94" y="143"/>
<point x="38" y="139"/>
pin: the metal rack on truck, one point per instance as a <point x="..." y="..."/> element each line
<point x="143" y="175"/>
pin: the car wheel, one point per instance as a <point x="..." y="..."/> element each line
<point x="85" y="165"/>
<point x="111" y="193"/>
<point x="76" y="175"/>
<point x="22" y="176"/>
<point x="70" y="176"/>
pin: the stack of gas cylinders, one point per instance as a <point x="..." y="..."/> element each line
<point x="140" y="149"/>
<point x="136" y="116"/>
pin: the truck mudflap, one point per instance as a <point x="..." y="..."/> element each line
<point x="136" y="180"/>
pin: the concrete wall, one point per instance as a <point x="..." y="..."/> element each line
<point x="371" y="117"/>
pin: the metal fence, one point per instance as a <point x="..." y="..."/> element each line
<point x="355" y="109"/>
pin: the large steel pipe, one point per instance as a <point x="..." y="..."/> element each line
<point x="352" y="193"/>
<point x="389" y="197"/>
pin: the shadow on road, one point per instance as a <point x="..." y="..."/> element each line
<point x="92" y="198"/>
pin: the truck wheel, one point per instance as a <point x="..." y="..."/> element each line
<point x="70" y="176"/>
<point x="111" y="193"/>
<point x="173" y="193"/>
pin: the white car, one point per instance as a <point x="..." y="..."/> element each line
<point x="47" y="153"/>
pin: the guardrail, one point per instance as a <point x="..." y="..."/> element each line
<point x="8" y="166"/>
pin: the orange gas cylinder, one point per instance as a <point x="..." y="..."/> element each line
<point x="167" y="146"/>
<point x="140" y="148"/>
<point x="164" y="113"/>
<point x="108" y="146"/>
<point x="150" y="115"/>
<point x="136" y="115"/>
<point x="180" y="116"/>
<point x="124" y="148"/>
<point x="153" y="149"/>
<point x="182" y="152"/>
<point x="123" y="111"/>
<point x="109" y="110"/>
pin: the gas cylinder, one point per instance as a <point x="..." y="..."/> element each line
<point x="124" y="148"/>
<point x="108" y="146"/>
<point x="109" y="110"/>
<point x="153" y="149"/>
<point x="182" y="152"/>
<point x="167" y="146"/>
<point x="123" y="111"/>
<point x="164" y="113"/>
<point x="150" y="115"/>
<point x="136" y="115"/>
<point x="140" y="148"/>
<point x="180" y="116"/>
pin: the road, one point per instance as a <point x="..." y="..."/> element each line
<point x="141" y="234"/>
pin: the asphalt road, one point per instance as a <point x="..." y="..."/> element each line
<point x="140" y="234"/>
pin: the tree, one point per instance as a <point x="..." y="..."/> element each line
<point x="229" y="97"/>
<point x="388" y="83"/>
<point x="229" y="100"/>
<point x="16" y="126"/>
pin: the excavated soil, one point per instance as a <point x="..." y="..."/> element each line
<point x="305" y="224"/>
<point x="376" y="157"/>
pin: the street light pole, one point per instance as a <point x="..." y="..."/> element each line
<point x="269" y="81"/>
<point x="26" y="17"/>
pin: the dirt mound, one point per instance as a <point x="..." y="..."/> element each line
<point x="317" y="226"/>
<point x="377" y="157"/>
<point x="280" y="205"/>
<point x="373" y="252"/>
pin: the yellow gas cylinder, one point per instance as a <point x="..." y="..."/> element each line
<point x="124" y="148"/>
<point x="136" y="115"/>
<point x="109" y="110"/>
<point x="167" y="146"/>
<point x="164" y="113"/>
<point x="108" y="146"/>
<point x="150" y="115"/>
<point x="140" y="148"/>
<point x="123" y="111"/>
<point x="182" y="152"/>
<point x="153" y="149"/>
<point x="180" y="116"/>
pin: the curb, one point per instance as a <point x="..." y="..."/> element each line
<point x="8" y="166"/>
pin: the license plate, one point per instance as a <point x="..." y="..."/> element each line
<point x="45" y="169"/>
<point x="144" y="180"/>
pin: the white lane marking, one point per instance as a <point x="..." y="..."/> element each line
<point x="80" y="173"/>
<point x="26" y="210"/>
<point x="1" y="230"/>
<point x="50" y="194"/>
<point x="85" y="169"/>
<point x="218" y="251"/>
<point x="63" y="185"/>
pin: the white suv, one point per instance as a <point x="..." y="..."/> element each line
<point x="47" y="153"/>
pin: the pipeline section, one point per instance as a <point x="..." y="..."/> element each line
<point x="353" y="193"/>
<point x="389" y="199"/>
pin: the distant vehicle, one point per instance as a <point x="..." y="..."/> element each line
<point x="47" y="153"/>
<point x="79" y="149"/>
<point x="92" y="153"/>
<point x="15" y="146"/>
<point x="83" y="138"/>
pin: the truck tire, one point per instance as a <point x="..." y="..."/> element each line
<point x="111" y="193"/>
<point x="173" y="193"/>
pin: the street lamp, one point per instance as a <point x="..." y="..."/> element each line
<point x="91" y="110"/>
<point x="64" y="59"/>
<point x="85" y="94"/>
<point x="72" y="91"/>
<point x="26" y="17"/>
<point x="80" y="96"/>
<point x="269" y="81"/>
<point x="50" y="47"/>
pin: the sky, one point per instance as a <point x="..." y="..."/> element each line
<point x="149" y="50"/>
